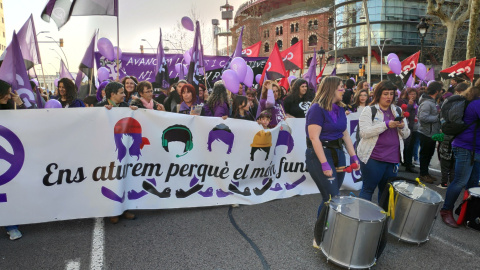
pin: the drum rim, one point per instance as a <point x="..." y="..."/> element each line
<point x="349" y="266"/>
<point x="477" y="195"/>
<point x="369" y="221"/>
<point x="429" y="203"/>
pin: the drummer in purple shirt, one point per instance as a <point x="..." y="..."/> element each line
<point x="381" y="145"/>
<point x="326" y="129"/>
<point x="466" y="148"/>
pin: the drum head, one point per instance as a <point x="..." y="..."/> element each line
<point x="417" y="193"/>
<point x="357" y="208"/>
<point x="475" y="191"/>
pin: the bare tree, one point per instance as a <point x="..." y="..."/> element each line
<point x="472" y="30"/>
<point x="451" y="21"/>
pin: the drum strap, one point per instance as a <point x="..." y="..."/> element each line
<point x="391" y="203"/>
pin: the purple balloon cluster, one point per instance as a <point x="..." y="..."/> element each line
<point x="396" y="66"/>
<point x="237" y="72"/>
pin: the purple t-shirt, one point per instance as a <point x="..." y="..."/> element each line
<point x="333" y="122"/>
<point x="387" y="148"/>
<point x="465" y="139"/>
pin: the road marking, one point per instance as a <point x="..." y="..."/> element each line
<point x="435" y="170"/>
<point x="452" y="245"/>
<point x="73" y="265"/>
<point x="98" y="243"/>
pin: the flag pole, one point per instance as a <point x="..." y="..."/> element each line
<point x="118" y="41"/>
<point x="45" y="82"/>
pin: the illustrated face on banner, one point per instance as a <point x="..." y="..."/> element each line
<point x="221" y="133"/>
<point x="14" y="158"/>
<point x="261" y="141"/>
<point x="285" y="138"/>
<point x="112" y="67"/>
<point x="178" y="133"/>
<point x="128" y="135"/>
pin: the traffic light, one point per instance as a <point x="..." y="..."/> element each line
<point x="361" y="71"/>
<point x="61" y="42"/>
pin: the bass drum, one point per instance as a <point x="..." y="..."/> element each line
<point x="350" y="232"/>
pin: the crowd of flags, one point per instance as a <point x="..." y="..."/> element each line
<point x="22" y="54"/>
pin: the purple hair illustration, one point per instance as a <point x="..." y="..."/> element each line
<point x="129" y="127"/>
<point x="221" y="133"/>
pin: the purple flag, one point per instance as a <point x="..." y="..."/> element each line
<point x="39" y="99"/>
<point x="64" y="73"/>
<point x="334" y="72"/>
<point x="196" y="61"/>
<point x="410" y="81"/>
<point x="87" y="64"/>
<point x="61" y="10"/>
<point x="311" y="75"/>
<point x="161" y="69"/>
<point x="27" y="37"/>
<point x="430" y="74"/>
<point x="237" y="52"/>
<point x="13" y="72"/>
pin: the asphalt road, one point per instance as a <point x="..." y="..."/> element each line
<point x="276" y="235"/>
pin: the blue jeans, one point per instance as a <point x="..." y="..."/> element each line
<point x="327" y="187"/>
<point x="466" y="175"/>
<point x="9" y="228"/>
<point x="416" y="146"/>
<point x="376" y="173"/>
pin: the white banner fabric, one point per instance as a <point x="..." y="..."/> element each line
<point x="90" y="162"/>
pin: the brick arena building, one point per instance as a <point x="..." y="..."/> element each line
<point x="284" y="22"/>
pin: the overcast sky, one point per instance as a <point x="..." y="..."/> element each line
<point x="138" y="19"/>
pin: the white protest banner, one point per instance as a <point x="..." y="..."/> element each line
<point x="90" y="162"/>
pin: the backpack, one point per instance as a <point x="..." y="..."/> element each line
<point x="451" y="115"/>
<point x="374" y="113"/>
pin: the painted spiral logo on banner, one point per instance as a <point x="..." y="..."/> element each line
<point x="14" y="159"/>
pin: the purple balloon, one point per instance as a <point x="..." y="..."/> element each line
<point x="187" y="23"/>
<point x="52" y="104"/>
<point x="103" y="74"/>
<point x="421" y="71"/>
<point x="258" y="77"/>
<point x="115" y="50"/>
<point x="248" y="80"/>
<point x="395" y="66"/>
<point x="239" y="65"/>
<point x="231" y="81"/>
<point x="105" y="47"/>
<point x="55" y="82"/>
<point x="291" y="78"/>
<point x="391" y="56"/>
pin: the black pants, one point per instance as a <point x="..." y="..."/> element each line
<point x="427" y="149"/>
<point x="408" y="146"/>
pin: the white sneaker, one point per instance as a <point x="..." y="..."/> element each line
<point x="415" y="162"/>
<point x="14" y="234"/>
<point x="235" y="205"/>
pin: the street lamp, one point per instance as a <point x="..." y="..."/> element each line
<point x="321" y="53"/>
<point x="52" y="49"/>
<point x="148" y="43"/>
<point x="381" y="57"/>
<point x="422" y="29"/>
<point x="42" y="32"/>
<point x="68" y="66"/>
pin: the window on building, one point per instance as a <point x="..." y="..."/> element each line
<point x="268" y="33"/>
<point x="267" y="47"/>
<point x="315" y="22"/>
<point x="2" y="20"/>
<point x="3" y="34"/>
<point x="310" y="23"/>
<point x="312" y="40"/>
<point x="280" y="44"/>
<point x="277" y="31"/>
<point x="294" y="41"/>
<point x="296" y="27"/>
<point x="281" y="30"/>
<point x="292" y="28"/>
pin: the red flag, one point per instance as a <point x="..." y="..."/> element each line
<point x="349" y="60"/>
<point x="319" y="77"/>
<point x="293" y="56"/>
<point x="410" y="63"/>
<point x="463" y="70"/>
<point x="274" y="67"/>
<point x="375" y="54"/>
<point x="252" y="51"/>
<point x="284" y="81"/>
